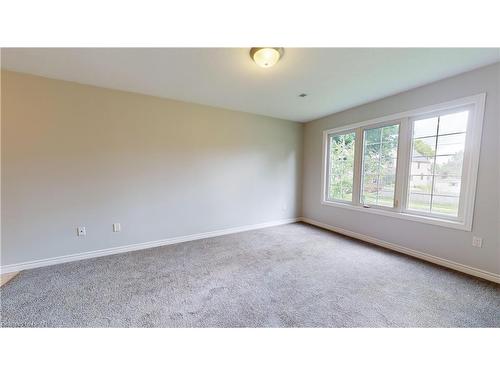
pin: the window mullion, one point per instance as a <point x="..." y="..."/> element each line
<point x="358" y="155"/>
<point x="403" y="164"/>
<point x="379" y="163"/>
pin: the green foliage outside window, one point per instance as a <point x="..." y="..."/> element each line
<point x="423" y="148"/>
<point x="379" y="165"/>
<point x="341" y="166"/>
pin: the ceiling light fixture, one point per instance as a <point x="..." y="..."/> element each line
<point x="265" y="57"/>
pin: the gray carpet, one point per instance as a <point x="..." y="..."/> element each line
<point x="288" y="276"/>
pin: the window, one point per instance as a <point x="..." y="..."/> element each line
<point x="340" y="166"/>
<point x="438" y="142"/>
<point x="380" y="149"/>
<point x="419" y="165"/>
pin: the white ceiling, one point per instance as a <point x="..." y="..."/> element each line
<point x="334" y="78"/>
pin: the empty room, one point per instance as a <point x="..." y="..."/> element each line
<point x="177" y="197"/>
<point x="250" y="187"/>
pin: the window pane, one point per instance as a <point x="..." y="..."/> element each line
<point x="447" y="185"/>
<point x="379" y="191"/>
<point x="419" y="202"/>
<point x="445" y="205"/>
<point x="390" y="134"/>
<point x="373" y="136"/>
<point x="370" y="186"/>
<point x="449" y="165"/>
<point x="421" y="184"/>
<point x="438" y="146"/>
<point x="379" y="165"/>
<point x="425" y="128"/>
<point x="341" y="167"/>
<point x="421" y="166"/>
<point x="424" y="147"/>
<point x="386" y="191"/>
<point x="389" y="165"/>
<point x="454" y="123"/>
<point x="450" y="144"/>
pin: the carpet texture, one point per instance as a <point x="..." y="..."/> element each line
<point x="288" y="276"/>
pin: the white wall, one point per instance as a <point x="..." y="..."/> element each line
<point x="450" y="244"/>
<point x="79" y="155"/>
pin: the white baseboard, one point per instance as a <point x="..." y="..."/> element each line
<point x="169" y="241"/>
<point x="417" y="254"/>
<point x="140" y="246"/>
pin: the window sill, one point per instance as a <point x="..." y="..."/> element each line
<point x="403" y="216"/>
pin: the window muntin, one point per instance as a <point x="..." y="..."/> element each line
<point x="340" y="176"/>
<point x="438" y="147"/>
<point x="380" y="151"/>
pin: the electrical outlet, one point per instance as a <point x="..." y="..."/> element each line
<point x="81" y="231"/>
<point x="477" y="241"/>
<point x="117" y="227"/>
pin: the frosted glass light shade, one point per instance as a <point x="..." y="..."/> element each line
<point x="266" y="57"/>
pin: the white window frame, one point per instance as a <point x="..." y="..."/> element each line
<point x="362" y="139"/>
<point x="469" y="170"/>
<point x="328" y="162"/>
